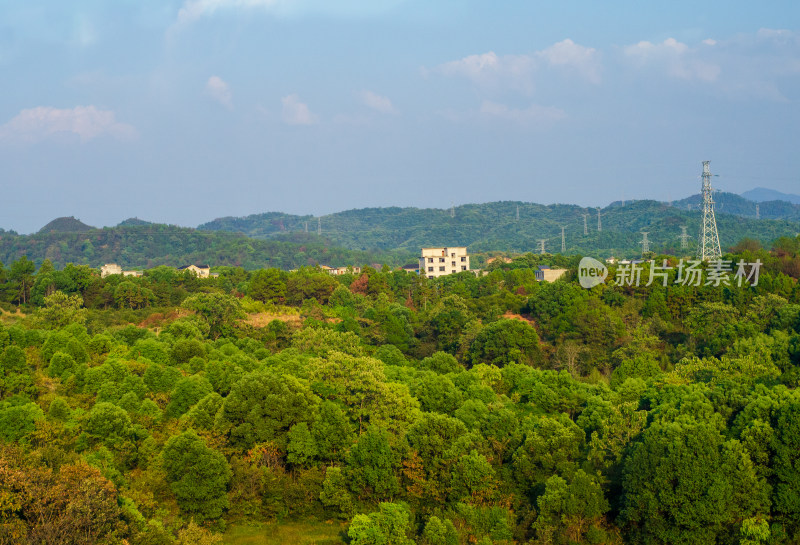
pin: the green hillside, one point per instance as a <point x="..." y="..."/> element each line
<point x="152" y="245"/>
<point x="495" y="227"/>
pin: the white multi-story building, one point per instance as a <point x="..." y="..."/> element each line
<point x="436" y="262"/>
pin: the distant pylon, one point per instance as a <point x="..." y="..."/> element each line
<point x="684" y="238"/>
<point x="306" y="227"/>
<point x="563" y="241"/>
<point x="319" y="226"/>
<point x="517" y="213"/>
<point x="452" y="210"/>
<point x="645" y="243"/>
<point x="708" y="243"/>
<point x="585" y="224"/>
<point x="758" y="212"/>
<point x="541" y="245"/>
<point x="599" y="223"/>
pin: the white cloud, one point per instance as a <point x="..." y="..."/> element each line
<point x="88" y="122"/>
<point x="569" y="54"/>
<point x="517" y="71"/>
<point x="219" y="91"/>
<point x="532" y="114"/>
<point x="490" y="69"/>
<point x="296" y="112"/>
<point x="677" y="59"/>
<point x="378" y="102"/>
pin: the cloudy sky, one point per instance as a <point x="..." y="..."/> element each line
<point x="183" y="111"/>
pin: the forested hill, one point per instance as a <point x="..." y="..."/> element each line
<point x="494" y="226"/>
<point x="150" y="245"/>
<point x="730" y="203"/>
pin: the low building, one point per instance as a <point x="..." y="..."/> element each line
<point x="338" y="271"/>
<point x="545" y="274"/>
<point x="436" y="262"/>
<point x="201" y="271"/>
<point x="112" y="268"/>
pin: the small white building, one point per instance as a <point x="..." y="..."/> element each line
<point x="338" y="271"/>
<point x="112" y="268"/>
<point x="436" y="262"/>
<point x="201" y="271"/>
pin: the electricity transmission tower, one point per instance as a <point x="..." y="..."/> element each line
<point x="319" y="226"/>
<point x="541" y="245"/>
<point x="585" y="224"/>
<point x="563" y="241"/>
<point x="758" y="212"/>
<point x="599" y="223"/>
<point x="708" y="243"/>
<point x="518" y="213"/>
<point x="645" y="243"/>
<point x="684" y="238"/>
<point x="306" y="227"/>
<point x="452" y="210"/>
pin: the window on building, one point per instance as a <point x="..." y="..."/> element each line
<point x="441" y="260"/>
<point x="441" y="269"/>
<point x="453" y="264"/>
<point x="453" y="254"/>
<point x="463" y="260"/>
<point x="430" y="269"/>
<point x="430" y="260"/>
<point x="463" y="267"/>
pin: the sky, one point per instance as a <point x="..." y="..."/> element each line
<point x="188" y="110"/>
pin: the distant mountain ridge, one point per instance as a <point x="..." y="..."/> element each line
<point x="762" y="194"/>
<point x="513" y="226"/>
<point x="66" y="225"/>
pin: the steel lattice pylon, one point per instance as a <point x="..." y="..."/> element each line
<point x="708" y="247"/>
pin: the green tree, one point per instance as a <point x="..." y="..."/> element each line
<point x="198" y="475"/>
<point x="506" y="341"/>
<point x="391" y="525"/>
<point x="263" y="407"/>
<point x="220" y="311"/>
<point x="268" y="285"/>
<point x="61" y="309"/>
<point x="684" y="483"/>
<point x="568" y="512"/>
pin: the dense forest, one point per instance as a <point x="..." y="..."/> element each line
<point x="519" y="226"/>
<point x="133" y="245"/>
<point x="496" y="409"/>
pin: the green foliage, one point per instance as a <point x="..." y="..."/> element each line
<point x="220" y="311"/>
<point x="187" y="392"/>
<point x="17" y="421"/>
<point x="391" y="525"/>
<point x="684" y="483"/>
<point x="506" y="341"/>
<point x="198" y="475"/>
<point x="264" y="406"/>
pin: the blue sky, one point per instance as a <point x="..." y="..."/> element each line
<point x="185" y="111"/>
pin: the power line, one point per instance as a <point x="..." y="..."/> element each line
<point x="645" y="243"/>
<point x="684" y="238"/>
<point x="708" y="247"/>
